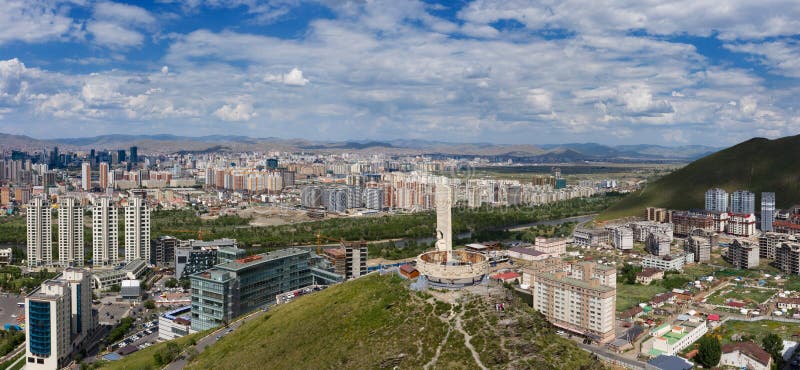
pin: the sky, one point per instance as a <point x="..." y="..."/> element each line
<point x="710" y="72"/>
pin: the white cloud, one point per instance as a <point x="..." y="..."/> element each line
<point x="164" y="70"/>
<point x="782" y="57"/>
<point x="117" y="25"/>
<point x="540" y="101"/>
<point x="114" y="35"/>
<point x="34" y="21"/>
<point x="293" y="78"/>
<point x="242" y="111"/>
<point x="123" y="14"/>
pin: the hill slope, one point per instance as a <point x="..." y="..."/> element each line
<point x="376" y="322"/>
<point x="757" y="165"/>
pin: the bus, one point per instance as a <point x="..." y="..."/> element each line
<point x="21" y="304"/>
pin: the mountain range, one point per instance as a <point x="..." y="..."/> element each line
<point x="548" y="153"/>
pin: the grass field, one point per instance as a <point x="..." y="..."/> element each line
<point x="144" y="359"/>
<point x="759" y="329"/>
<point x="752" y="296"/>
<point x="631" y="295"/>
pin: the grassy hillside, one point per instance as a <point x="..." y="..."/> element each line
<point x="757" y="165"/>
<point x="376" y="322"/>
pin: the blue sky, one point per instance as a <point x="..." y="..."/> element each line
<point x="524" y="72"/>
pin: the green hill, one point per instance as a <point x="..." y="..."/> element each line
<point x="757" y="165"/>
<point x="377" y="322"/>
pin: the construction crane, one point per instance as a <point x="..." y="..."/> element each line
<point x="321" y="237"/>
<point x="200" y="232"/>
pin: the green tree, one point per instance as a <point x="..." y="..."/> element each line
<point x="115" y="288"/>
<point x="773" y="344"/>
<point x="171" y="283"/>
<point x="149" y="304"/>
<point x="709" y="351"/>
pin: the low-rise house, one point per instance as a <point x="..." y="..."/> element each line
<point x="671" y="338"/>
<point x="648" y="275"/>
<point x="409" y="271"/>
<point x="745" y="355"/>
<point x="788" y="303"/>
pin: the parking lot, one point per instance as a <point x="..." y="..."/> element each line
<point x="9" y="310"/>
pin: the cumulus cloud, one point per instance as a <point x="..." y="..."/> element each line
<point x="34" y="21"/>
<point x="119" y="25"/>
<point x="782" y="57"/>
<point x="540" y="101"/>
<point x="293" y="78"/>
<point x="241" y="111"/>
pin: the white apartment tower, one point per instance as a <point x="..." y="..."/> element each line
<point x="767" y="211"/>
<point x="716" y="200"/>
<point x="105" y="233"/>
<point x="40" y="239"/>
<point x="137" y="230"/>
<point x="70" y="232"/>
<point x="86" y="176"/>
<point x="743" y="202"/>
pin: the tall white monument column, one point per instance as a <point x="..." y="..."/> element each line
<point x="444" y="230"/>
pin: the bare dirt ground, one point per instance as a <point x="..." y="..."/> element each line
<point x="271" y="215"/>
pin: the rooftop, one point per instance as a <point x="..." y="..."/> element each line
<point x="260" y="258"/>
<point x="530" y="252"/>
<point x="750" y="349"/>
<point x="577" y="282"/>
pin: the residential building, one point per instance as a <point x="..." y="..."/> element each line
<point x="658" y="244"/>
<point x="741" y="224"/>
<point x="648" y="275"/>
<point x="6" y="256"/>
<point x="552" y="246"/>
<point x="767" y="211"/>
<point x="716" y="200"/>
<point x="105" y="233"/>
<point x="39" y="233"/>
<point x="137" y="229"/>
<point x="373" y="198"/>
<point x="686" y="221"/>
<point x="669" y="262"/>
<point x="743" y="201"/>
<point x="526" y="254"/>
<point x="699" y="247"/>
<point x="743" y="255"/>
<point x="745" y="355"/>
<point x="70" y="232"/>
<point x="102" y="176"/>
<point x="175" y="323"/>
<point x="671" y="338"/>
<point x="769" y="242"/>
<point x="162" y="251"/>
<point x="86" y="176"/>
<point x="584" y="306"/>
<point x="621" y="237"/>
<point x="787" y="258"/>
<point x="607" y="275"/>
<point x="228" y="290"/>
<point x="787" y="303"/>
<point x="655" y="214"/>
<point x="355" y="259"/>
<point x="589" y="237"/>
<point x="641" y="229"/>
<point x="547" y="265"/>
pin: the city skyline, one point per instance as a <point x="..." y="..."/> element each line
<point x="478" y="71"/>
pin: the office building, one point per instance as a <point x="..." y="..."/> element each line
<point x="716" y="200"/>
<point x="102" y="176"/>
<point x="39" y="233"/>
<point x="229" y="290"/>
<point x="743" y="201"/>
<point x="355" y="259"/>
<point x="137" y="229"/>
<point x="658" y="244"/>
<point x="134" y="155"/>
<point x="58" y="318"/>
<point x="121" y="155"/>
<point x="767" y="211"/>
<point x="743" y="255"/>
<point x="70" y="232"/>
<point x="584" y="306"/>
<point x="787" y="258"/>
<point x="699" y="247"/>
<point x="105" y="233"/>
<point x="105" y="279"/>
<point x="195" y="256"/>
<point x="86" y="176"/>
<point x="130" y="289"/>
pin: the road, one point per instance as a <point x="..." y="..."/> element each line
<point x="210" y="339"/>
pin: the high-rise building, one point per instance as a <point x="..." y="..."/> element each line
<point x="716" y="200"/>
<point x="121" y="155"/>
<point x="134" y="155"/>
<point x="70" y="232"/>
<point x="743" y="201"/>
<point x="105" y="233"/>
<point x="767" y="211"/>
<point x="40" y="240"/>
<point x="699" y="247"/>
<point x="86" y="176"/>
<point x="355" y="259"/>
<point x="658" y="244"/>
<point x="787" y="258"/>
<point x="272" y="163"/>
<point x="103" y="175"/>
<point x="137" y="230"/>
<point x="769" y="242"/>
<point x="58" y="319"/>
<point x="373" y="198"/>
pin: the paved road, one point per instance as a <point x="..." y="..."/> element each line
<point x="210" y="339"/>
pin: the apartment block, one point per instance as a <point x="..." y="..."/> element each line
<point x="552" y="246"/>
<point x="769" y="242"/>
<point x="621" y="237"/>
<point x="743" y="255"/>
<point x="741" y="224"/>
<point x="787" y="258"/>
<point x="716" y="200"/>
<point x="137" y="230"/>
<point x="70" y="232"/>
<point x="655" y="214"/>
<point x="767" y="211"/>
<point x="658" y="244"/>
<point x="105" y="233"/>
<point x="641" y="229"/>
<point x="699" y="247"/>
<point x="39" y="233"/>
<point x="670" y="262"/>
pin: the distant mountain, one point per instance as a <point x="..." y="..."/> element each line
<point x="758" y="165"/>
<point x="520" y="153"/>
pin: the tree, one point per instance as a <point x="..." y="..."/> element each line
<point x="149" y="304"/>
<point x="709" y="351"/>
<point x="115" y="288"/>
<point x="773" y="344"/>
<point x="171" y="283"/>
